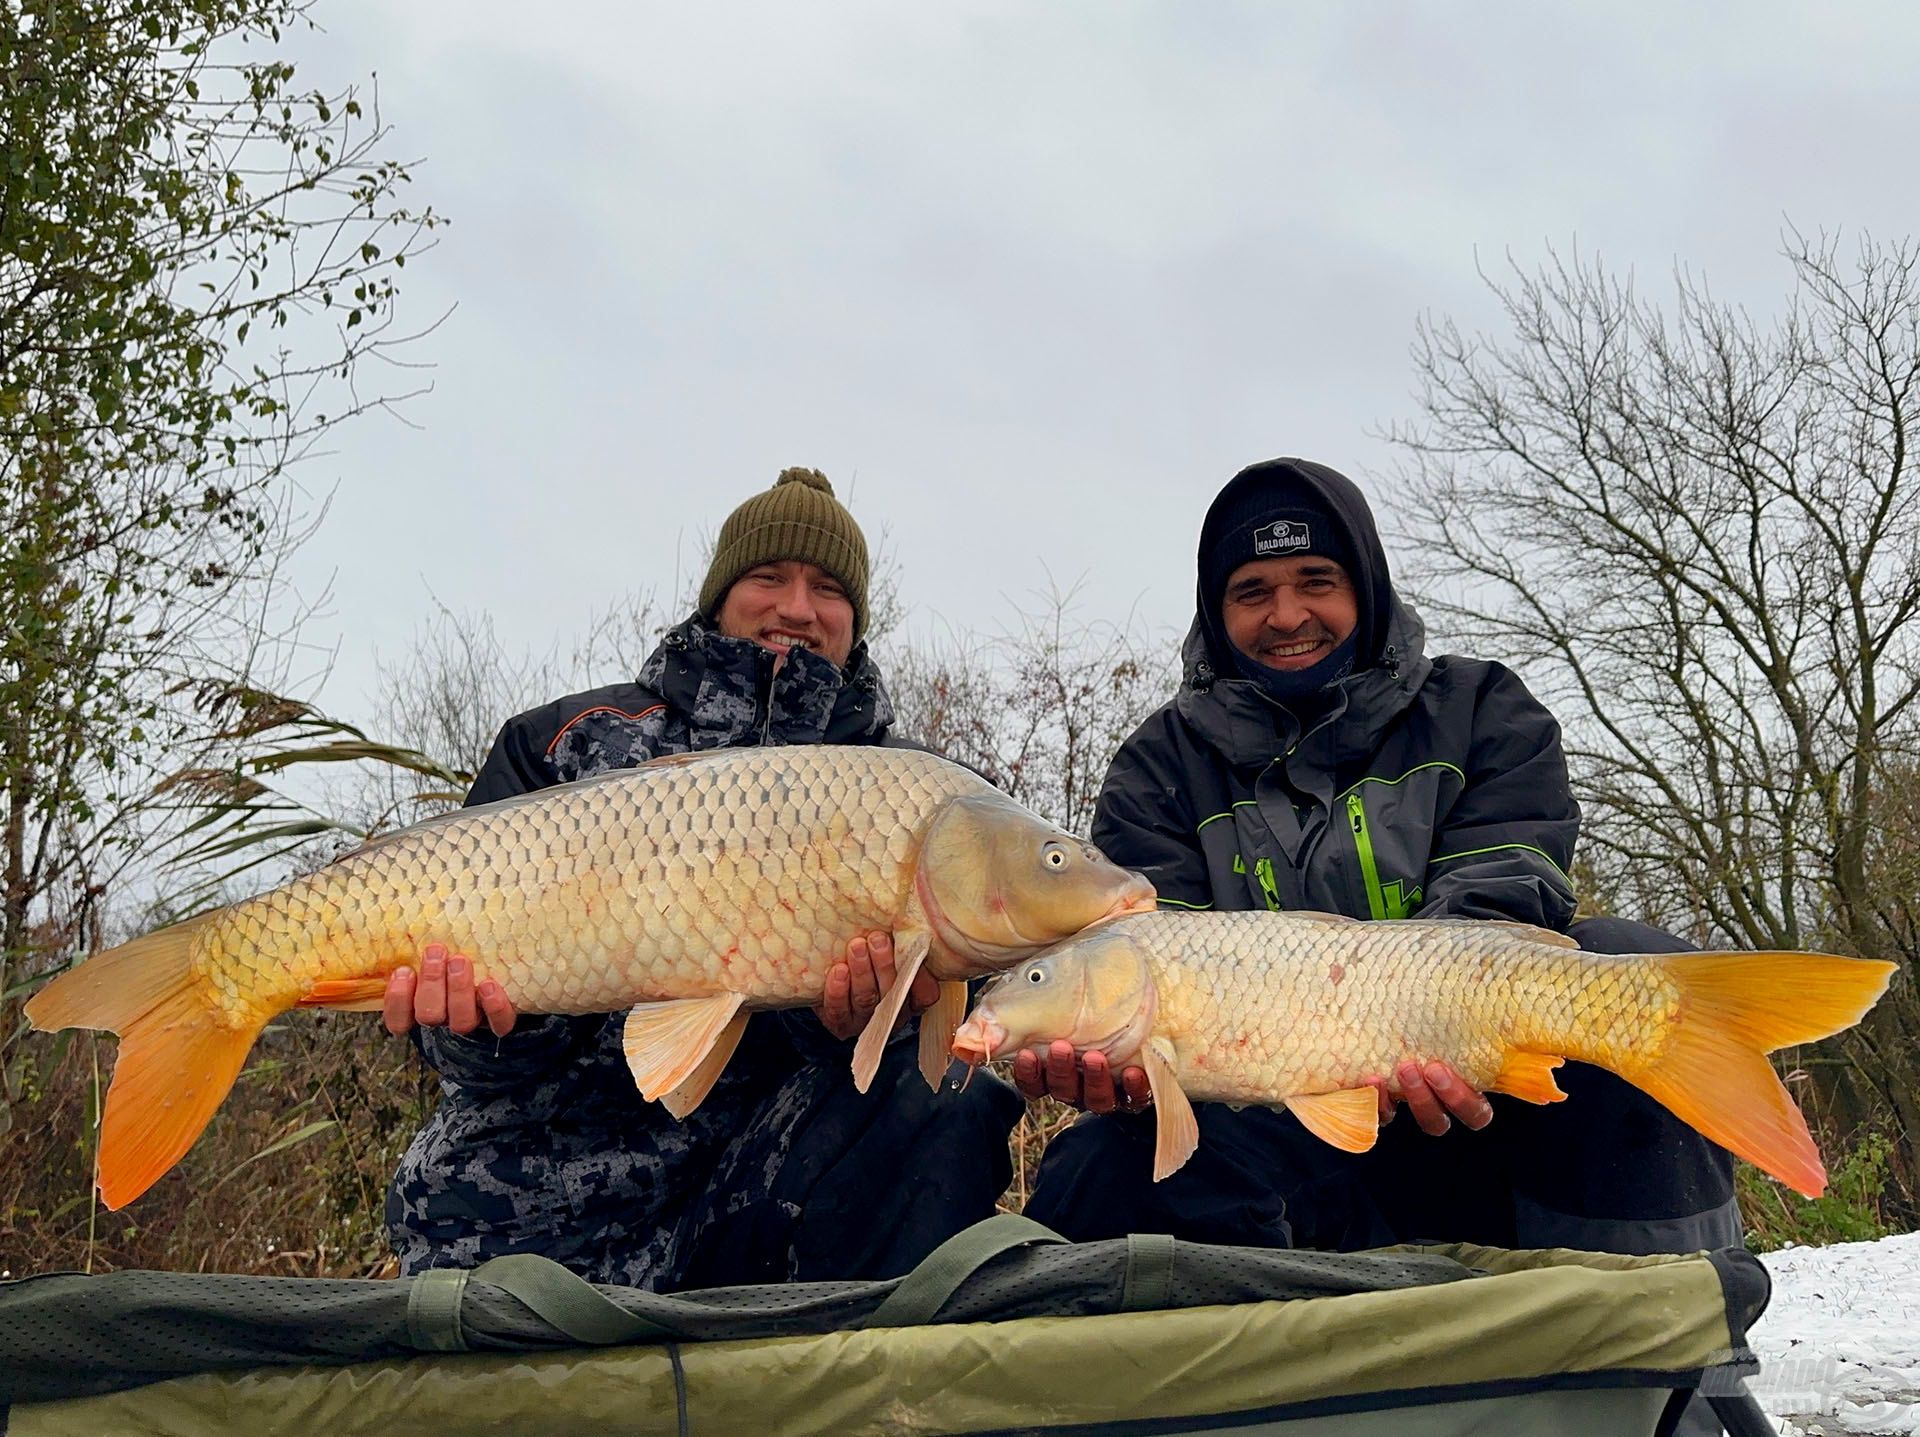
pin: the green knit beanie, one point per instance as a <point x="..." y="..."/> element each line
<point x="798" y="518"/>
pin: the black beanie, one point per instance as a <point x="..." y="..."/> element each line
<point x="1284" y="507"/>
<point x="1263" y="522"/>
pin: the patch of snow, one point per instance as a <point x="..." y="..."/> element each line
<point x="1839" y="1345"/>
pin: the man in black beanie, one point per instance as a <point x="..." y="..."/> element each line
<point x="1316" y="758"/>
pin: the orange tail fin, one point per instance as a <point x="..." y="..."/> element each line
<point x="1735" y="1009"/>
<point x="178" y="1055"/>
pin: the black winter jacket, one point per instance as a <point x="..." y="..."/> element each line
<point x="1430" y="788"/>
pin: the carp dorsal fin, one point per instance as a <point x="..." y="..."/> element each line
<point x="1314" y="915"/>
<point x="1531" y="932"/>
<point x="1176" y="1131"/>
<point x="667" y="1043"/>
<point x="541" y="795"/>
<point x="674" y="760"/>
<point x="1348" y="1118"/>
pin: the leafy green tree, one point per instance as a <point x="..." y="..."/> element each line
<point x="197" y="257"/>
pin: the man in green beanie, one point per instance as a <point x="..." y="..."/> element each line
<point x="543" y="1144"/>
<point x="793" y="554"/>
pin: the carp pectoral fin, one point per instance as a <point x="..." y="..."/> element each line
<point x="1349" y="1118"/>
<point x="693" y="1092"/>
<point x="666" y="1042"/>
<point x="910" y="948"/>
<point x="937" y="1027"/>
<point x="1176" y="1131"/>
<point x="1529" y="1077"/>
<point x="347" y="995"/>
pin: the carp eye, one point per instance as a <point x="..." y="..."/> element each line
<point x="1056" y="856"/>
<point x="1036" y="975"/>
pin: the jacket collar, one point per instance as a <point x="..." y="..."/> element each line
<point x="727" y="690"/>
<point x="1236" y="717"/>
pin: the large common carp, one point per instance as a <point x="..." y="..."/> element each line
<point x="698" y="886"/>
<point x="1301" y="1011"/>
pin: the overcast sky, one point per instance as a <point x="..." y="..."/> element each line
<point x="1029" y="281"/>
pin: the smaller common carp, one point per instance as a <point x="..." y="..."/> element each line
<point x="1302" y="1010"/>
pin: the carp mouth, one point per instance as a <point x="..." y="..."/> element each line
<point x="976" y="1041"/>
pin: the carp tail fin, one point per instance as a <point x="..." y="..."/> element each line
<point x="178" y="1053"/>
<point x="1735" y="1008"/>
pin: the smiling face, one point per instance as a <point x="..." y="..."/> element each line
<point x="787" y="604"/>
<point x="1289" y="613"/>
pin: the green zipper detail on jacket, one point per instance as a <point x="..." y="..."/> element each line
<point x="1363" y="845"/>
<point x="1269" y="886"/>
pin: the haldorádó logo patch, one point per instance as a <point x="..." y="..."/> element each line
<point x="1282" y="536"/>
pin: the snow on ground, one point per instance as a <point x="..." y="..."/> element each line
<point x="1840" y="1343"/>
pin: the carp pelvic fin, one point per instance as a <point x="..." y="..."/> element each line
<point x="347" y="995"/>
<point x="1734" y="1009"/>
<point x="937" y="1027"/>
<point x="666" y="1043"/>
<point x="1529" y="1077"/>
<point x="1348" y="1118"/>
<point x="1176" y="1131"/>
<point x="693" y="1092"/>
<point x="178" y="1053"/>
<point x="910" y="948"/>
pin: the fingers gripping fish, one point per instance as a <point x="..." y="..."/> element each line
<point x="698" y="887"/>
<point x="1303" y="1011"/>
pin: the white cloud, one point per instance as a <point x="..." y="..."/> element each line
<point x="1034" y="280"/>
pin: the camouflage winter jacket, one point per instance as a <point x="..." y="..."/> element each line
<point x="541" y="1142"/>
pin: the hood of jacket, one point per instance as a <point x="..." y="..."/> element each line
<point x="1234" y="714"/>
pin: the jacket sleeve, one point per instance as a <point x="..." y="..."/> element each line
<point x="517" y="763"/>
<point x="480" y="1063"/>
<point x="1142" y="819"/>
<point x="1505" y="847"/>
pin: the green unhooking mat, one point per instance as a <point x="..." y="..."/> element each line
<point x="1004" y="1329"/>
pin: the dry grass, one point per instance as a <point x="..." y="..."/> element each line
<point x="1028" y="1141"/>
<point x="288" y="1179"/>
<point x="291" y="1176"/>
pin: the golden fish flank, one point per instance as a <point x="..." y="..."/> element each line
<point x="697" y="887"/>
<point x="1303" y="1011"/>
